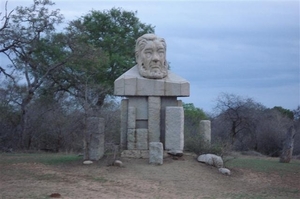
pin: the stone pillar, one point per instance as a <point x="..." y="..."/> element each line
<point x="156" y="152"/>
<point x="154" y="119"/>
<point x="95" y="132"/>
<point x="131" y="124"/>
<point x="124" y="120"/>
<point x="174" y="140"/>
<point x="205" y="130"/>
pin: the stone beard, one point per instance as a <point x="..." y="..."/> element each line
<point x="150" y="53"/>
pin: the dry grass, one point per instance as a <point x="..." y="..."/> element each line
<point x="40" y="175"/>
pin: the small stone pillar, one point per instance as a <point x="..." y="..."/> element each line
<point x="95" y="133"/>
<point x="174" y="129"/>
<point x="156" y="152"/>
<point x="205" y="130"/>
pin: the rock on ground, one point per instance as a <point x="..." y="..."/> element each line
<point x="224" y="171"/>
<point x="211" y="159"/>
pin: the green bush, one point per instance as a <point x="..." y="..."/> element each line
<point x="198" y="145"/>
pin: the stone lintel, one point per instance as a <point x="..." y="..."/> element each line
<point x="132" y="84"/>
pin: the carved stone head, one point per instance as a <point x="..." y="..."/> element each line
<point x="150" y="54"/>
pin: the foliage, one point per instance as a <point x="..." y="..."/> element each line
<point x="286" y="112"/>
<point x="113" y="32"/>
<point x="193" y="140"/>
<point x="247" y="125"/>
<point x="198" y="145"/>
<point x="192" y="117"/>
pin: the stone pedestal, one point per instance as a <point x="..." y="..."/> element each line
<point x="143" y="112"/>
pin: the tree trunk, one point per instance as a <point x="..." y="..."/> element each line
<point x="288" y="146"/>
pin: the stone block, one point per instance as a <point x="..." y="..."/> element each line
<point x="174" y="138"/>
<point x="131" y="139"/>
<point x="154" y="119"/>
<point x="185" y="89"/>
<point x="124" y="121"/>
<point x="135" y="154"/>
<point x="172" y="89"/>
<point x="95" y="130"/>
<point x="132" y="84"/>
<point x="205" y="130"/>
<point x="142" y="139"/>
<point x="131" y="117"/>
<point x="141" y="105"/>
<point x="156" y="153"/>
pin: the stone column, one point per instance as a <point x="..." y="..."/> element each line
<point x="154" y="119"/>
<point x="124" y="120"/>
<point x="131" y="124"/>
<point x="205" y="130"/>
<point x="174" y="140"/>
<point x="95" y="131"/>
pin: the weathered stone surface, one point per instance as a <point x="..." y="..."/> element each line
<point x="224" y="171"/>
<point x="205" y="130"/>
<point x="141" y="105"/>
<point x="135" y="154"/>
<point x="150" y="53"/>
<point x="142" y="139"/>
<point x="131" y="139"/>
<point x="124" y="121"/>
<point x="132" y="84"/>
<point x="95" y="131"/>
<point x="154" y="119"/>
<point x="174" y="139"/>
<point x="156" y="152"/>
<point x="211" y="159"/>
<point x="131" y="117"/>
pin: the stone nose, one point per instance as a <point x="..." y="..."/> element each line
<point x="155" y="57"/>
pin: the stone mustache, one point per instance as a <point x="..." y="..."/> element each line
<point x="150" y="111"/>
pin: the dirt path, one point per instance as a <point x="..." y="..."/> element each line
<point x="185" y="178"/>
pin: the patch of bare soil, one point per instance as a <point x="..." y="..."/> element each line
<point x="182" y="178"/>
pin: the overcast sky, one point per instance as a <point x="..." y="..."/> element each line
<point x="248" y="48"/>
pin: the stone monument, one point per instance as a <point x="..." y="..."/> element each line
<point x="150" y="111"/>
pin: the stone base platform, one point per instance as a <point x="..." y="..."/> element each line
<point x="138" y="154"/>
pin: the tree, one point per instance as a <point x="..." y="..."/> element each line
<point x="32" y="52"/>
<point x="5" y="41"/>
<point x="239" y="113"/>
<point x="192" y="117"/>
<point x="114" y="32"/>
<point x="285" y="112"/>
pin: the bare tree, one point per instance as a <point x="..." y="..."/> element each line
<point x="238" y="113"/>
<point x="29" y="47"/>
<point x="5" y="42"/>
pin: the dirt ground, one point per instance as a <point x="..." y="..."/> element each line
<point x="183" y="178"/>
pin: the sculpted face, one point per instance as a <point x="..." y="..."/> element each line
<point x="151" y="56"/>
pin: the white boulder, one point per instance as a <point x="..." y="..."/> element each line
<point x="211" y="159"/>
<point x="224" y="171"/>
<point x="86" y="162"/>
<point x="118" y="163"/>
